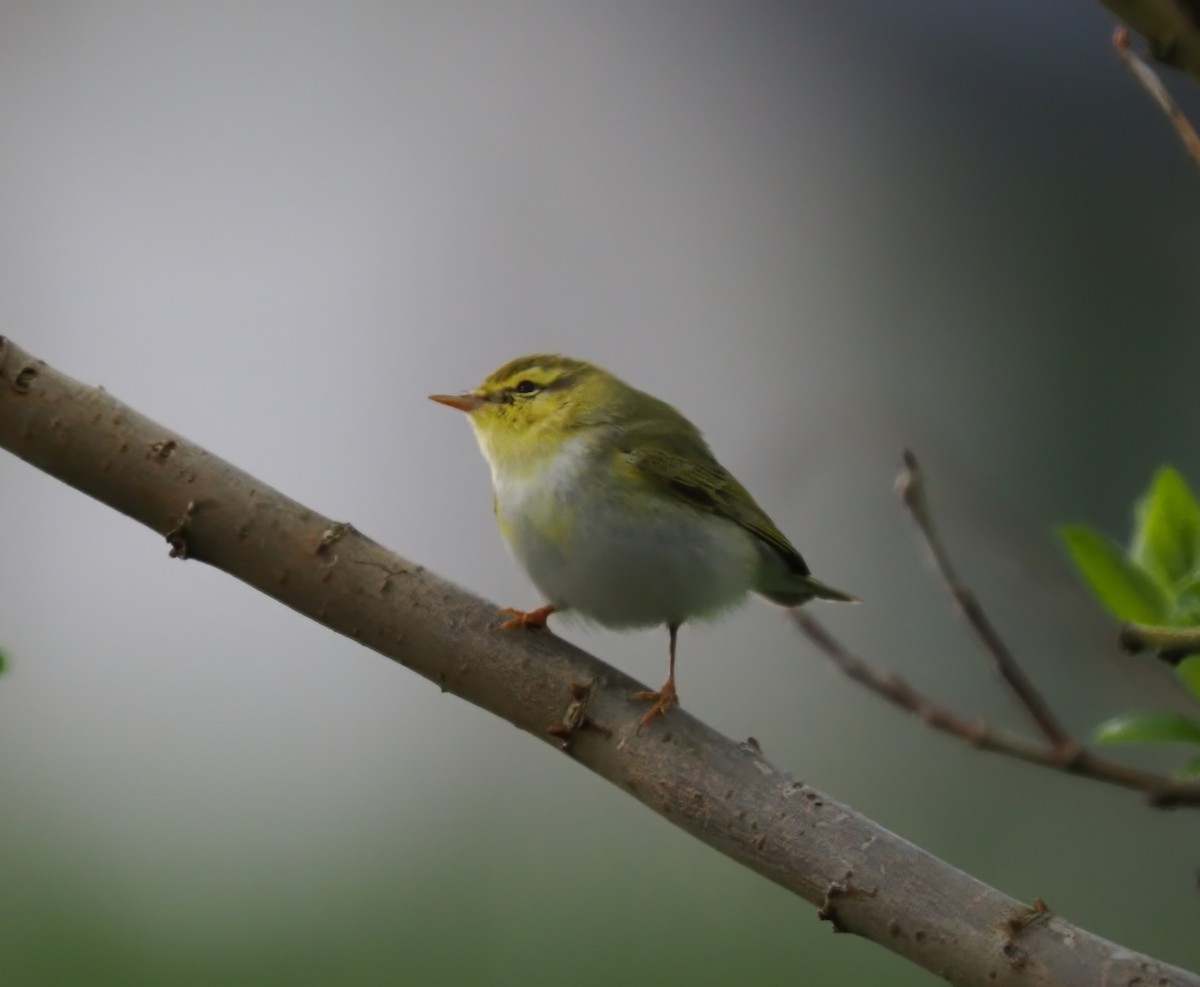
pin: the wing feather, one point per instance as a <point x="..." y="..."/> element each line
<point x="690" y="471"/>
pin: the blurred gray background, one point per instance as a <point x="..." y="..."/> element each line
<point x="827" y="232"/>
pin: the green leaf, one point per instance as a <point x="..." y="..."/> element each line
<point x="1149" y="728"/>
<point x="1123" y="587"/>
<point x="1166" y="537"/>
<point x="1189" y="671"/>
<point x="1186" y="612"/>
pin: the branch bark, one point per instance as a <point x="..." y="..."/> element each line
<point x="864" y="879"/>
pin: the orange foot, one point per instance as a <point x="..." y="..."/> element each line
<point x="663" y="700"/>
<point x="531" y="619"/>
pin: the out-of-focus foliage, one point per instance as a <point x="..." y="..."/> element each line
<point x="1156" y="581"/>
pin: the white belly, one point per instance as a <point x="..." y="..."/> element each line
<point x="588" y="551"/>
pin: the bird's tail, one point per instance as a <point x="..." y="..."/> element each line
<point x="806" y="588"/>
<point x="822" y="591"/>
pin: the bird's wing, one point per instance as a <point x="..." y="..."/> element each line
<point x="694" y="475"/>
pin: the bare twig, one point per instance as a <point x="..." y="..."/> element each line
<point x="1153" y="85"/>
<point x="1159" y="790"/>
<point x="1171" y="29"/>
<point x="1063" y="752"/>
<point x="722" y="792"/>
<point x="911" y="488"/>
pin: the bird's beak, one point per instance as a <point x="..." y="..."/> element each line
<point x="463" y="402"/>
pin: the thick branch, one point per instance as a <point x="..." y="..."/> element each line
<point x="866" y="880"/>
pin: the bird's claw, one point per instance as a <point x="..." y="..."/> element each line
<point x="663" y="700"/>
<point x="530" y="619"/>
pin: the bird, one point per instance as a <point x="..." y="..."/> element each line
<point x="617" y="509"/>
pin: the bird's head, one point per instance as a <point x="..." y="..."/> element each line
<point x="530" y="406"/>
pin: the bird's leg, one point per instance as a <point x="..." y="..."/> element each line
<point x="531" y="619"/>
<point x="666" y="697"/>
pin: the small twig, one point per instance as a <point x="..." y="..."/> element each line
<point x="1063" y="753"/>
<point x="1161" y="791"/>
<point x="1171" y="644"/>
<point x="898" y="692"/>
<point x="911" y="488"/>
<point x="1153" y="85"/>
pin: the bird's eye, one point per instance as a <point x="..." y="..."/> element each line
<point x="525" y="387"/>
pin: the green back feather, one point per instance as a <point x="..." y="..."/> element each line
<point x="692" y="472"/>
